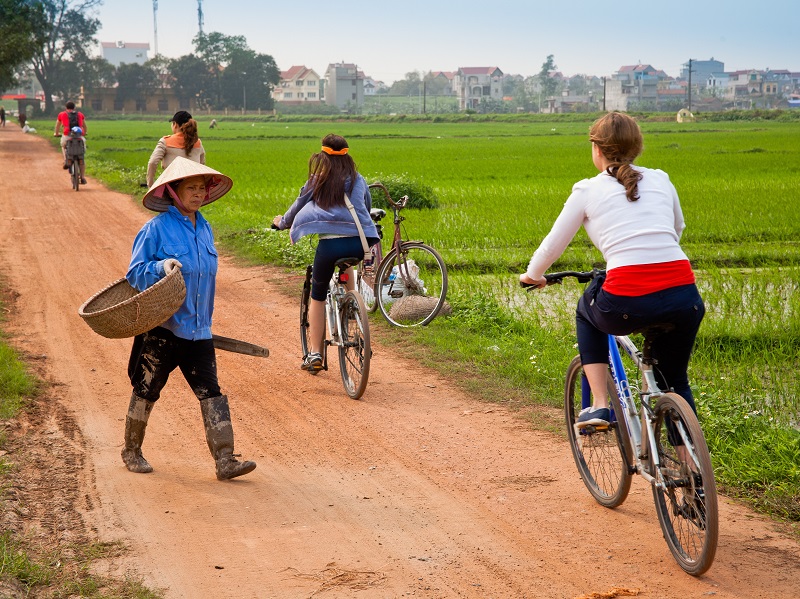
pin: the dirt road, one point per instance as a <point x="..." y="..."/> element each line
<point x="416" y="490"/>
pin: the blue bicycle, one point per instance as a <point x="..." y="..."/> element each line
<point x="660" y="439"/>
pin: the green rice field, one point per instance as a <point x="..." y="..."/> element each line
<point x="500" y="185"/>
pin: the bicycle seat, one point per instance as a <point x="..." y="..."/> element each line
<point x="377" y="214"/>
<point x="344" y="263"/>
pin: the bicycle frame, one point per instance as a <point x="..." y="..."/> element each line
<point x="336" y="292"/>
<point x="639" y="424"/>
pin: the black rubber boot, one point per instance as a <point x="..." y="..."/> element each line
<point x="135" y="425"/>
<point x="219" y="435"/>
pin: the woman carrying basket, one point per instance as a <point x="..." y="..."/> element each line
<point x="180" y="237"/>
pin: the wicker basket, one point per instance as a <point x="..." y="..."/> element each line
<point x="417" y="307"/>
<point x="120" y="310"/>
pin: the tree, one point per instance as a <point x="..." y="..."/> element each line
<point x="71" y="30"/>
<point x="216" y="50"/>
<point x="410" y="86"/>
<point x="22" y="23"/>
<point x="135" y="82"/>
<point x="248" y="80"/>
<point x="548" y="85"/>
<point x="191" y="78"/>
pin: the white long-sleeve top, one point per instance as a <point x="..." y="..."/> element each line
<point x="646" y="231"/>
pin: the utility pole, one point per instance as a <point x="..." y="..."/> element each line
<point x="604" y="94"/>
<point x="155" y="27"/>
<point x="200" y="16"/>
<point x="690" y="85"/>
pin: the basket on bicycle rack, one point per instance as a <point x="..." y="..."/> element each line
<point x="119" y="310"/>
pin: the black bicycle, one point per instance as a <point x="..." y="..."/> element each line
<point x="75" y="151"/>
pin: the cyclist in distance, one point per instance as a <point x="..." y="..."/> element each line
<point x="66" y="121"/>
<point x="320" y="209"/>
<point x="184" y="141"/>
<point x="633" y="216"/>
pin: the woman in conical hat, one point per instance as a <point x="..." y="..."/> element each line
<point x="184" y="142"/>
<point x="180" y="237"/>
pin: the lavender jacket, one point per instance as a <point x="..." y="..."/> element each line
<point x="305" y="217"/>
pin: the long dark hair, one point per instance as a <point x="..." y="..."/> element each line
<point x="190" y="137"/>
<point x="619" y="138"/>
<point x="328" y="174"/>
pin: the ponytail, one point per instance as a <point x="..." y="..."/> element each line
<point x="190" y="137"/>
<point x="619" y="139"/>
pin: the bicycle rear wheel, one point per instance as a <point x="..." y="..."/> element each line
<point x="355" y="351"/>
<point x="598" y="451"/>
<point x="411" y="285"/>
<point x="75" y="172"/>
<point x="687" y="505"/>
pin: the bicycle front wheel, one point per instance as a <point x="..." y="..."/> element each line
<point x="598" y="451"/>
<point x="305" y="299"/>
<point x="687" y="502"/>
<point x="355" y="351"/>
<point x="411" y="285"/>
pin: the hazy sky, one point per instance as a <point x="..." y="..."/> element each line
<point x="388" y="39"/>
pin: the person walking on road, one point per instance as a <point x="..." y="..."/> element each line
<point x="2" y="116"/>
<point x="180" y="237"/>
<point x="184" y="141"/>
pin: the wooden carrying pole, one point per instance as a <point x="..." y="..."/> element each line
<point x="239" y="347"/>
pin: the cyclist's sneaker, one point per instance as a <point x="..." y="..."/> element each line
<point x="83" y="181"/>
<point x="66" y="165"/>
<point x="312" y="362"/>
<point x="593" y="417"/>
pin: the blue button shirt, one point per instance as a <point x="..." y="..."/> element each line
<point x="172" y="235"/>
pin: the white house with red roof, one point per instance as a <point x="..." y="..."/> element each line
<point x="298" y="85"/>
<point x="473" y="84"/>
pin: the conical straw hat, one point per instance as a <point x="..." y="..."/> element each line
<point x="157" y="197"/>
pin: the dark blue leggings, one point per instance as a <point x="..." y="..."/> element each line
<point x="156" y="353"/>
<point x="328" y="252"/>
<point x="600" y="314"/>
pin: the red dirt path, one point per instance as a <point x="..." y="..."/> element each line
<point x="416" y="490"/>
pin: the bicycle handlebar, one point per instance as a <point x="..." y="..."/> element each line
<point x="398" y="205"/>
<point x="556" y="278"/>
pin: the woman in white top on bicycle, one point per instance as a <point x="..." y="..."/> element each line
<point x="633" y="216"/>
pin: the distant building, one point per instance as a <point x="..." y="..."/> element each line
<point x="701" y="71"/>
<point x="345" y="86"/>
<point x="298" y="85"/>
<point x="372" y="87"/>
<point x="118" y="53"/>
<point x="473" y="84"/>
<point x="635" y="83"/>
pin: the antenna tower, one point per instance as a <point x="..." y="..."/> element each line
<point x="155" y="27"/>
<point x="200" y="16"/>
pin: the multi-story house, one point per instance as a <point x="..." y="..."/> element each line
<point x="701" y="70"/>
<point x="473" y="84"/>
<point x="345" y="87"/>
<point x="298" y="85"/>
<point x="372" y="87"/>
<point x="118" y="53"/>
<point x="634" y="83"/>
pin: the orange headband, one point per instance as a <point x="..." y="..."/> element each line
<point x="332" y="152"/>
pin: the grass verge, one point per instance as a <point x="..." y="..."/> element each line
<point x="29" y="566"/>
